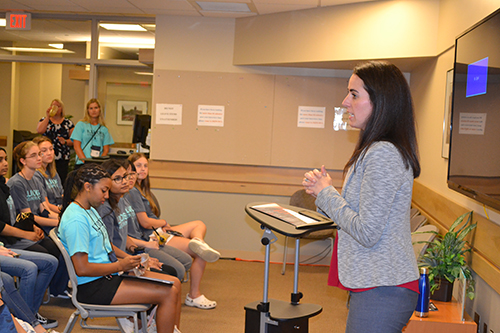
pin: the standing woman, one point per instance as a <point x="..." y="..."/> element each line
<point x="97" y="261"/>
<point x="58" y="129"/>
<point x="373" y="256"/>
<point x="91" y="137"/>
<point x="47" y="174"/>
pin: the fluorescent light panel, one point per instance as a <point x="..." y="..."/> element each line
<point x="36" y="49"/>
<point x="3" y="22"/>
<point x="59" y="46"/>
<point x="223" y="6"/>
<point x="122" y="27"/>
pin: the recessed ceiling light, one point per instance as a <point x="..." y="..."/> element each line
<point x="57" y="46"/>
<point x="122" y="27"/>
<point x="223" y="6"/>
<point x="36" y="49"/>
<point x="144" y="73"/>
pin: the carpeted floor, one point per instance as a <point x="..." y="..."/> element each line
<point x="233" y="284"/>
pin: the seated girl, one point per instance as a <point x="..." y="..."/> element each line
<point x="119" y="218"/>
<point x="25" y="195"/>
<point x="47" y="174"/>
<point x="97" y="261"/>
<point x="191" y="233"/>
<point x="27" y="191"/>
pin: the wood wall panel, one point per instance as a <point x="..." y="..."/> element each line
<point x="485" y="240"/>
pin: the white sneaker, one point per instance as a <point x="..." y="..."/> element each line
<point x="126" y="325"/>
<point x="203" y="250"/>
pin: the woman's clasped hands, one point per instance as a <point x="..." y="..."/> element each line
<point x="316" y="180"/>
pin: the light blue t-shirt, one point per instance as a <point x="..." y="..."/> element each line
<point x="84" y="131"/>
<point x="83" y="230"/>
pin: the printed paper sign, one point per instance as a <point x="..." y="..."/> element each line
<point x="311" y="116"/>
<point x="169" y="114"/>
<point x="211" y="115"/>
<point x="472" y="123"/>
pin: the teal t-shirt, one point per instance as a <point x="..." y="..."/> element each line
<point x="83" y="132"/>
<point x="82" y="230"/>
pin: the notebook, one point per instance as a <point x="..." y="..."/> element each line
<point x="302" y="219"/>
<point x="131" y="275"/>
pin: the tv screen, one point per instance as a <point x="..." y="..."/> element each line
<point x="142" y="123"/>
<point x="474" y="159"/>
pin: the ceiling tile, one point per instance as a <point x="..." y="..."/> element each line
<point x="313" y="3"/>
<point x="340" y="2"/>
<point x="179" y="5"/>
<point x="264" y="8"/>
<point x="226" y="14"/>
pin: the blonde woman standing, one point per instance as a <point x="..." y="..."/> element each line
<point x="91" y="137"/>
<point x="58" y="129"/>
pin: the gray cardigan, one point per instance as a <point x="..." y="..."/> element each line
<point x="373" y="212"/>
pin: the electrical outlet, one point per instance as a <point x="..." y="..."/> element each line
<point x="477" y="319"/>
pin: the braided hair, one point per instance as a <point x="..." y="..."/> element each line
<point x="88" y="173"/>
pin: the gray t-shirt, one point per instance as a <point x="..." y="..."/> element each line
<point x="52" y="186"/>
<point x="116" y="222"/>
<point x="139" y="204"/>
<point x="26" y="193"/>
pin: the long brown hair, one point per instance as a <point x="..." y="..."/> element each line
<point x="20" y="152"/>
<point x="392" y="117"/>
<point x="51" y="167"/>
<point x="145" y="186"/>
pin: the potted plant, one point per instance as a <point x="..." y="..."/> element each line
<point x="445" y="259"/>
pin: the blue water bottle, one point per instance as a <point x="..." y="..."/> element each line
<point x="422" y="309"/>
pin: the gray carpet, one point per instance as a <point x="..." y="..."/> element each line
<point x="233" y="284"/>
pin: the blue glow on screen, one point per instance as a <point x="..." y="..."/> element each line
<point x="477" y="77"/>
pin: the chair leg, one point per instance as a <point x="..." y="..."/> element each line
<point x="71" y="322"/>
<point x="144" y="320"/>
<point x="284" y="256"/>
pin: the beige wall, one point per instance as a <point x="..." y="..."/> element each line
<point x="37" y="85"/>
<point x="373" y="30"/>
<point x="428" y="83"/>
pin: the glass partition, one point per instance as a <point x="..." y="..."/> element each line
<point x="48" y="38"/>
<point x="124" y="92"/>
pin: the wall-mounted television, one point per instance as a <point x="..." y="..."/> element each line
<point x="474" y="159"/>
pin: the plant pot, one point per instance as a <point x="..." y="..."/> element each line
<point x="444" y="292"/>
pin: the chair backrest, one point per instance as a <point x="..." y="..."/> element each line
<point x="414" y="212"/>
<point x="420" y="240"/>
<point x="71" y="271"/>
<point x="416" y="222"/>
<point x="301" y="199"/>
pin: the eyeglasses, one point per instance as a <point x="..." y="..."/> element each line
<point x="34" y="155"/>
<point x="120" y="179"/>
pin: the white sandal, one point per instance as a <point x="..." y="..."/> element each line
<point x="203" y="250"/>
<point x="201" y="302"/>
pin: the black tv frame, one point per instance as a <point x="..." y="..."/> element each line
<point x="462" y="187"/>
